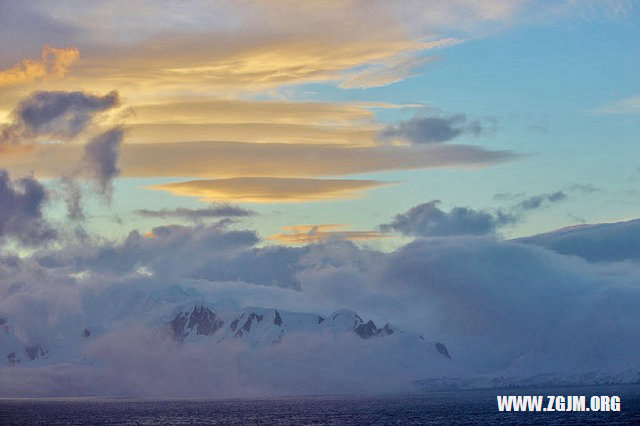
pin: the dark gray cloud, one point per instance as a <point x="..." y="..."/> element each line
<point x="101" y="158"/>
<point x="603" y="242"/>
<point x="57" y="115"/>
<point x="209" y="252"/>
<point x="542" y="200"/>
<point x="428" y="220"/>
<point x="430" y="130"/>
<point x="21" y="205"/>
<point x="213" y="211"/>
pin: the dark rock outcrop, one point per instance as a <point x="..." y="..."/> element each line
<point x="201" y="318"/>
<point x="247" y="324"/>
<point x="86" y="332"/>
<point x="177" y="326"/>
<point x="234" y="324"/>
<point x="13" y="358"/>
<point x="442" y="349"/>
<point x="366" y="330"/>
<point x="369" y="329"/>
<point x="277" y="320"/>
<point x="35" y="351"/>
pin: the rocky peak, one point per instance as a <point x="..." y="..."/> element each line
<point x="13" y="358"/>
<point x="35" y="351"/>
<point x="253" y="316"/>
<point x="370" y="330"/>
<point x="201" y="318"/>
<point x="442" y="349"/>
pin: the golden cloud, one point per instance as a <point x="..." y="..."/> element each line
<point x="54" y="62"/>
<point x="238" y="159"/>
<point x="243" y="63"/>
<point x="309" y="234"/>
<point x="255" y="121"/>
<point x="254" y="132"/>
<point x="269" y="189"/>
<point x="234" y="111"/>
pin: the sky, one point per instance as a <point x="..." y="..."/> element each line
<point x="509" y="100"/>
<point x="434" y="162"/>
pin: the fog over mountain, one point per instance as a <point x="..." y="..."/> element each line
<point x="203" y="311"/>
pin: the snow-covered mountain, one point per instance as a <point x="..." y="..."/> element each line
<point x="123" y="339"/>
<point x="186" y="323"/>
<point x="259" y="326"/>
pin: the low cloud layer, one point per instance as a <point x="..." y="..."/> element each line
<point x="506" y="310"/>
<point x="604" y="242"/>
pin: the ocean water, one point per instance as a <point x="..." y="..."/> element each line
<point x="450" y="407"/>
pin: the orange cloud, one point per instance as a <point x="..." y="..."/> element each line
<point x="236" y="159"/>
<point x="269" y="189"/>
<point x="253" y="121"/>
<point x="252" y="132"/>
<point x="314" y="228"/>
<point x="310" y="234"/>
<point x="54" y="62"/>
<point x="234" y="111"/>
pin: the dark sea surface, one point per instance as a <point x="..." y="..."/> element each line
<point x="462" y="407"/>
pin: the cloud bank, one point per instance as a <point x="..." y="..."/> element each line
<point x="510" y="312"/>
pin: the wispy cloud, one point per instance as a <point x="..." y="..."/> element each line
<point x="54" y="62"/>
<point x="625" y="106"/>
<point x="213" y="211"/>
<point x="541" y="200"/>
